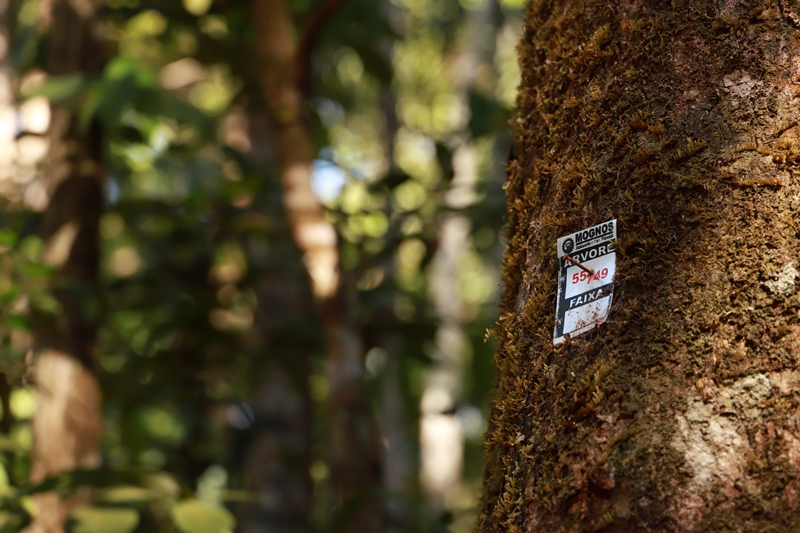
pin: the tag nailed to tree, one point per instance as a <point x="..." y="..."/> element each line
<point x="586" y="268"/>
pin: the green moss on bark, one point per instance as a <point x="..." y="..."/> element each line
<point x="680" y="120"/>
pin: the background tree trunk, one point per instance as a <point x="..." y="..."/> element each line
<point x="679" y="119"/>
<point x="354" y="453"/>
<point x="68" y="419"/>
<point x="277" y="460"/>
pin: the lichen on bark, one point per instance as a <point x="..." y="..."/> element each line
<point x="679" y="119"/>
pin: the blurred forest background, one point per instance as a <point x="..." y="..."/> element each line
<point x="231" y="398"/>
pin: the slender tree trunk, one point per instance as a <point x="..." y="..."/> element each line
<point x="399" y="472"/>
<point x="353" y="449"/>
<point x="441" y="435"/>
<point x="68" y="422"/>
<point x="277" y="461"/>
<point x="679" y="119"/>
<point x="8" y="119"/>
<point x="441" y="439"/>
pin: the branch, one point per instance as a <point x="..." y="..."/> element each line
<point x="312" y="29"/>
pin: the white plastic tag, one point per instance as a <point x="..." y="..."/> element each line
<point x="584" y="294"/>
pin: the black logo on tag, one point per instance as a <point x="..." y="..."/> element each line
<point x="568" y="245"/>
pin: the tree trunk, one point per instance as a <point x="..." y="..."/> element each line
<point x="354" y="453"/>
<point x="277" y="460"/>
<point x="678" y="119"/>
<point x="68" y="419"/>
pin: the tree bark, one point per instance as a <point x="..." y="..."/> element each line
<point x="68" y="419"/>
<point x="679" y="119"/>
<point x="277" y="460"/>
<point x="354" y="453"/>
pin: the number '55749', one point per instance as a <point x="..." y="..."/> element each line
<point x="582" y="276"/>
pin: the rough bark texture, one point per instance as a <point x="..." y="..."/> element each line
<point x="68" y="419"/>
<point x="680" y="413"/>
<point x="354" y="453"/>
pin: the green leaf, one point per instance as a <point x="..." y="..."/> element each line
<point x="31" y="248"/>
<point x="128" y="493"/>
<point x="7" y="237"/>
<point x="17" y="322"/>
<point x="194" y="516"/>
<point x="120" y="68"/>
<point x="116" y="95"/>
<point x="8" y="296"/>
<point x="104" y="520"/>
<point x="90" y="106"/>
<point x="59" y="88"/>
<point x="34" y="270"/>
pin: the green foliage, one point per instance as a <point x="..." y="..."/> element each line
<point x="60" y="88"/>
<point x="103" y="520"/>
<point x="195" y="516"/>
<point x="201" y="289"/>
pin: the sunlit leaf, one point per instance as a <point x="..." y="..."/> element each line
<point x="147" y="24"/>
<point x="31" y="248"/>
<point x="22" y="436"/>
<point x="163" y="484"/>
<point x="122" y="67"/>
<point x="104" y="520"/>
<point x="196" y="7"/>
<point x="163" y="424"/>
<point x="195" y="516"/>
<point x="128" y="494"/>
<point x="22" y="403"/>
<point x="59" y="88"/>
<point x="7" y="237"/>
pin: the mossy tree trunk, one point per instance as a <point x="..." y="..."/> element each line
<point x="679" y="119"/>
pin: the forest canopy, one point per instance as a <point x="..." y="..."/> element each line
<point x="184" y="287"/>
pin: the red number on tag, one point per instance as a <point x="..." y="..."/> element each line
<point x="581" y="276"/>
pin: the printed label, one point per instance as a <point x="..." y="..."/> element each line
<point x="584" y="294"/>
